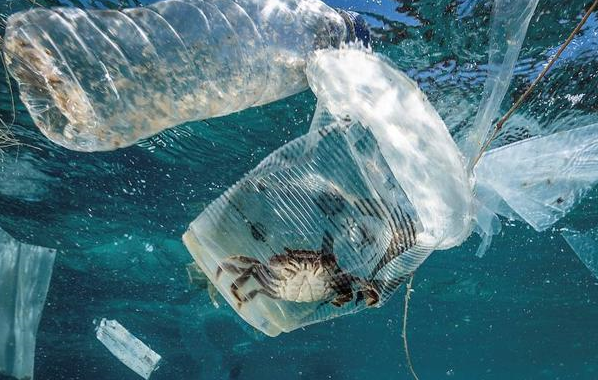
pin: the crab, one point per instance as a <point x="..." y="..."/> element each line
<point x="298" y="275"/>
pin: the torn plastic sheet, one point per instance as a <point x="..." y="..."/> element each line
<point x="487" y="225"/>
<point x="510" y="19"/>
<point x="542" y="178"/>
<point x="131" y="351"/>
<point x="585" y="246"/>
<point x="25" y="272"/>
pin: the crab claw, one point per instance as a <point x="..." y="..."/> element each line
<point x="371" y="298"/>
<point x="342" y="299"/>
<point x="371" y="295"/>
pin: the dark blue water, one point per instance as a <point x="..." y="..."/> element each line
<point x="527" y="310"/>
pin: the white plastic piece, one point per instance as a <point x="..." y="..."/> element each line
<point x="541" y="178"/>
<point x="127" y="348"/>
<point x="487" y="225"/>
<point x="412" y="137"/>
<point x="585" y="245"/>
<point x="25" y="272"/>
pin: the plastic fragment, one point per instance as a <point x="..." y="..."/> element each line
<point x="131" y="351"/>
<point x="541" y="178"/>
<point x="487" y="225"/>
<point x="585" y="245"/>
<point x="510" y="19"/>
<point x="25" y="272"/>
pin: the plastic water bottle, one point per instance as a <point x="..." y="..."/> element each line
<point x="97" y="80"/>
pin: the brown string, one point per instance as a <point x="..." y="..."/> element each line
<point x="405" y="346"/>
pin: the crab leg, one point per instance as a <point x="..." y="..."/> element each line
<point x="251" y="295"/>
<point x="342" y="299"/>
<point x="227" y="266"/>
<point x="238" y="283"/>
<point x="264" y="277"/>
<point x="367" y="290"/>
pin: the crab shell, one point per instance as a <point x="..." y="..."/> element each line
<point x="307" y="276"/>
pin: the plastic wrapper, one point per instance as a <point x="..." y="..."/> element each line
<point x="332" y="222"/>
<point x="103" y="79"/>
<point x="25" y="272"/>
<point x="539" y="179"/>
<point x="127" y="348"/>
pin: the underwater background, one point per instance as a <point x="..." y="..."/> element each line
<point x="527" y="310"/>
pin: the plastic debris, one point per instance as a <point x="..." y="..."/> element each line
<point x="127" y="348"/>
<point x="510" y="19"/>
<point x="104" y="79"/>
<point x="332" y="222"/>
<point x="541" y="178"/>
<point x="585" y="246"/>
<point x="25" y="272"/>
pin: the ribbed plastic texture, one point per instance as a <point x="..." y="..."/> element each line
<point x="103" y="79"/>
<point x="331" y="187"/>
<point x="333" y="222"/>
<point x="127" y="348"/>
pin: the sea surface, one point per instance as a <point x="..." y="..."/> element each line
<point x="527" y="310"/>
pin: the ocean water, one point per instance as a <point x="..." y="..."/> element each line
<point x="527" y="310"/>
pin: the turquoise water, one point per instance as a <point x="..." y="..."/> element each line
<point x="526" y="310"/>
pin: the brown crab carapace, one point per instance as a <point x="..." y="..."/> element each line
<point x="298" y="275"/>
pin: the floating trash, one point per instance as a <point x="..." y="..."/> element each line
<point x="127" y="348"/>
<point x="104" y="79"/>
<point x="334" y="221"/>
<point x="25" y="272"/>
<point x="540" y="179"/>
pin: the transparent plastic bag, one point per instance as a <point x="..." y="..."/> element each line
<point x="541" y="178"/>
<point x="331" y="223"/>
<point x="414" y="140"/>
<point x="103" y="79"/>
<point x="510" y="19"/>
<point x="25" y="273"/>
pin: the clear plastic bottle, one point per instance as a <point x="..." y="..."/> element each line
<point x="102" y="79"/>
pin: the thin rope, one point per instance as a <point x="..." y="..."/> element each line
<point x="540" y="76"/>
<point x="405" y="346"/>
